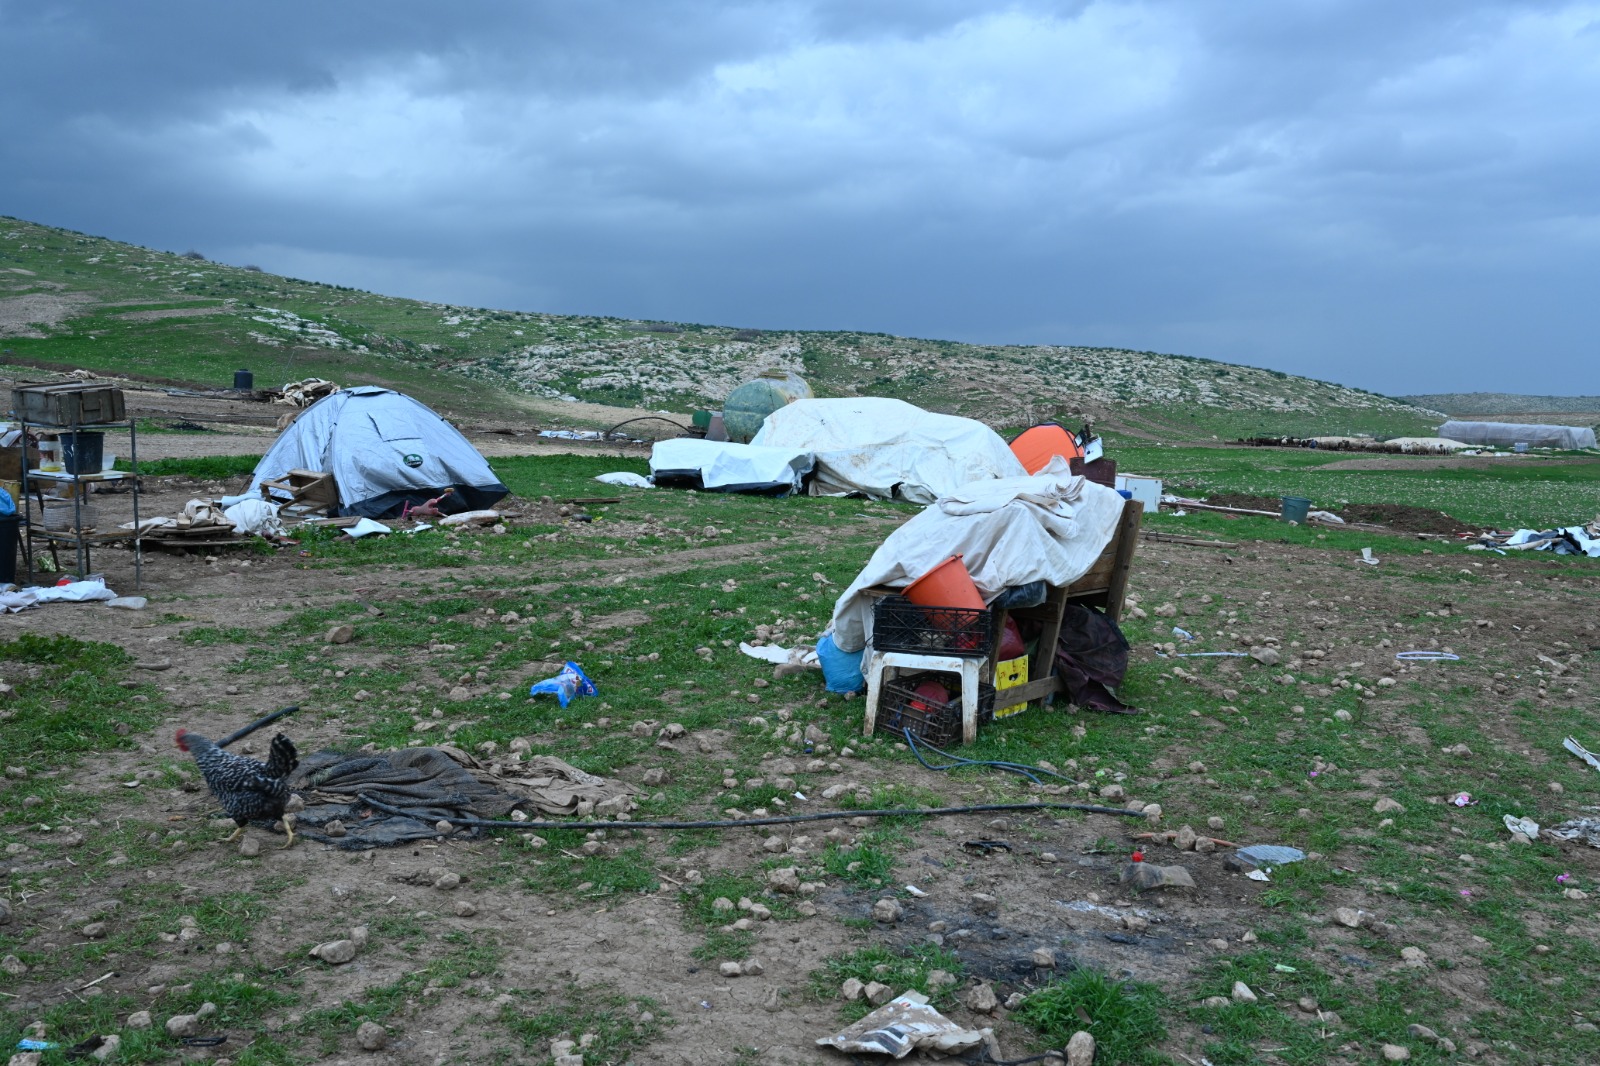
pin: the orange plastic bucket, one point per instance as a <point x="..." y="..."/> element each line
<point x="946" y="585"/>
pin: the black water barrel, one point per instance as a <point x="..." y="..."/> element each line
<point x="243" y="380"/>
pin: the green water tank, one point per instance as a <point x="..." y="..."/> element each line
<point x="749" y="405"/>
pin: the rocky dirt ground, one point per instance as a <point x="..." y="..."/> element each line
<point x="1055" y="883"/>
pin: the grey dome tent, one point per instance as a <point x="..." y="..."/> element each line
<point x="384" y="449"/>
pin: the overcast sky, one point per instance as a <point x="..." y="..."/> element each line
<point x="1399" y="196"/>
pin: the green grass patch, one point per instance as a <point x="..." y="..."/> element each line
<point x="1124" y="1017"/>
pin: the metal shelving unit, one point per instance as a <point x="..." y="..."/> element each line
<point x="82" y="541"/>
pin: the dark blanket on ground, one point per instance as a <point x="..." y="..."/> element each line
<point x="1091" y="659"/>
<point x="432" y="784"/>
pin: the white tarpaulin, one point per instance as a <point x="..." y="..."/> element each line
<point x="1050" y="527"/>
<point x="888" y="449"/>
<point x="1505" y="434"/>
<point x="727" y="467"/>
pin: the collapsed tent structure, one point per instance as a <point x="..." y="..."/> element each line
<point x="722" y="466"/>
<point x="1506" y="434"/>
<point x="384" y="450"/>
<point x="888" y="449"/>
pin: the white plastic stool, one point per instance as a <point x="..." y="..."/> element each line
<point x="882" y="661"/>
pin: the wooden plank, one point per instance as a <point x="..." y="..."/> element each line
<point x="1127" y="542"/>
<point x="1026" y="692"/>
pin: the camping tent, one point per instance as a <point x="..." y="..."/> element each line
<point x="1505" y="434"/>
<point x="384" y="449"/>
<point x="1035" y="447"/>
<point x="888" y="449"/>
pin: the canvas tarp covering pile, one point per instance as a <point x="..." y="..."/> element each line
<point x="888" y="449"/>
<point x="1505" y="434"/>
<point x="383" y="449"/>
<point x="1050" y="527"/>
<point x="723" y="466"/>
<point x="435" y="783"/>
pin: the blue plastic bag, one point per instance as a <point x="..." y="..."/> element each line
<point x="8" y="506"/>
<point x="571" y="682"/>
<point x="841" y="670"/>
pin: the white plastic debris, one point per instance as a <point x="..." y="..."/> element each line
<point x="366" y="527"/>
<point x="1581" y="752"/>
<point x="771" y="653"/>
<point x="1368" y="558"/>
<point x="899" y="1027"/>
<point x="1526" y="826"/>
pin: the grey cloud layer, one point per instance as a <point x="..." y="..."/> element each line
<point x="1391" y="195"/>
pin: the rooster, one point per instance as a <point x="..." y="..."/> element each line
<point x="248" y="790"/>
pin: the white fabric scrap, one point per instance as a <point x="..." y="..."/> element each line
<point x="626" y="478"/>
<point x="900" y="1026"/>
<point x="256" y="517"/>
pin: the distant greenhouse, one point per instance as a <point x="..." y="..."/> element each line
<point x="1506" y="434"/>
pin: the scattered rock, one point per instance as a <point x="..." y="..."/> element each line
<point x="852" y="989"/>
<point x="1422" y="1032"/>
<point x="447" y="882"/>
<point x="139" y="1019"/>
<point x="752" y="968"/>
<point x="182" y="1025"/>
<point x="1265" y="655"/>
<point x="730" y="969"/>
<point x="1044" y="958"/>
<point x="1216" y="1002"/>
<point x="1113" y="792"/>
<point x="111" y="1043"/>
<point x="878" y="994"/>
<point x="785" y="879"/>
<point x="249" y="847"/>
<point x="887" y="910"/>
<point x="95" y="930"/>
<point x="1080" y="1049"/>
<point x="771" y="1003"/>
<point x="1242" y="993"/>
<point x="1185" y="839"/>
<point x="13" y="966"/>
<point x="372" y="1036"/>
<point x="1395" y="1053"/>
<point x="1415" y="958"/>
<point x="342" y="634"/>
<point x="1307" y="1004"/>
<point x="981" y="999"/>
<point x="1144" y="876"/>
<point x="335" y="952"/>
<point x="465" y="908"/>
<point x="1387" y="805"/>
<point x="983" y="903"/>
<point x="941" y="979"/>
<point x="1349" y="917"/>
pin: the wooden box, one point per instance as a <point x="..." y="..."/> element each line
<point x="68" y="403"/>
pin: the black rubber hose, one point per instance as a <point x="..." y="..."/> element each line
<point x="956" y="760"/>
<point x="788" y="819"/>
<point x="255" y="725"/>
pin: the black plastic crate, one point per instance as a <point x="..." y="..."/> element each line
<point x="938" y="723"/>
<point x="900" y="625"/>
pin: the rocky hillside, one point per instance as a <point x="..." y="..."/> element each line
<point x="71" y="300"/>
<point x="1509" y="403"/>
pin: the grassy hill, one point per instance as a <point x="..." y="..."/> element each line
<point x="70" y="300"/>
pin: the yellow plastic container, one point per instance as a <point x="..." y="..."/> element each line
<point x="1011" y="673"/>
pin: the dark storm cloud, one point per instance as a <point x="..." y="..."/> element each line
<point x="1398" y="196"/>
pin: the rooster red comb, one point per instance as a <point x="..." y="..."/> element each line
<point x="178" y="736"/>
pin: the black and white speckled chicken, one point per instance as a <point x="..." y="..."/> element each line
<point x="247" y="789"/>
